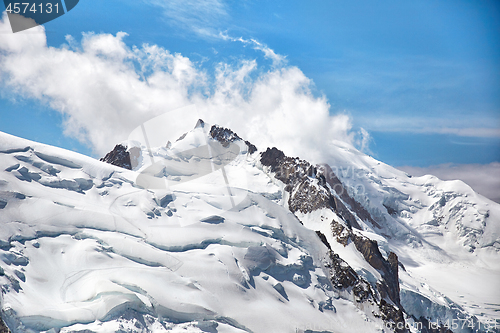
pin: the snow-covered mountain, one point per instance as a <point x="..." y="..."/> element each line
<point x="210" y="234"/>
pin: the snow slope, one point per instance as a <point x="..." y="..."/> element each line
<point x="83" y="247"/>
<point x="200" y="237"/>
<point x="446" y="235"/>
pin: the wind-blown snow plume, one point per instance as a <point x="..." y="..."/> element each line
<point x="105" y="88"/>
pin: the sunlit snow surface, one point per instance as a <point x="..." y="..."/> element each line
<point x="84" y="247"/>
<point x="446" y="235"/>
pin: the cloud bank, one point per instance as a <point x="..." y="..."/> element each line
<point x="484" y="179"/>
<point x="415" y="124"/>
<point x="104" y="89"/>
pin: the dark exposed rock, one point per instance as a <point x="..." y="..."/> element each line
<point x="345" y="213"/>
<point x="343" y="276"/>
<point x="307" y="197"/>
<point x="323" y="239"/>
<point x="119" y="156"/>
<point x="290" y="170"/>
<point x="309" y="189"/>
<point x="307" y="185"/>
<point x="335" y="183"/>
<point x="341" y="232"/>
<point x="393" y="316"/>
<point x="251" y="148"/>
<point x="389" y="286"/>
<point x="181" y="137"/>
<point x="200" y="123"/>
<point x="272" y="157"/>
<point x="362" y="291"/>
<point x="223" y="135"/>
<point x="3" y="327"/>
<point x="369" y="249"/>
<point x="226" y="136"/>
<point x="390" y="210"/>
<point x="302" y="182"/>
<point x="394" y="264"/>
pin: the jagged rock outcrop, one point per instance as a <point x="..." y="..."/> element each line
<point x="3" y="327"/>
<point x="392" y="316"/>
<point x="127" y="158"/>
<point x="306" y="190"/>
<point x="341" y="233"/>
<point x="335" y="183"/>
<point x="307" y="185"/>
<point x="119" y="156"/>
<point x="389" y="268"/>
<point x="225" y="136"/>
<point x="389" y="287"/>
<point x="323" y="239"/>
<point x="122" y="157"/>
<point x="309" y="191"/>
<point x="345" y="278"/>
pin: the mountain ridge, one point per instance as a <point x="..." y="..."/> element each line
<point x="372" y="260"/>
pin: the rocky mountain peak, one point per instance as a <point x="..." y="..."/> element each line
<point x="225" y="136"/>
<point x="127" y="157"/>
<point x="122" y="156"/>
<point x="200" y="123"/>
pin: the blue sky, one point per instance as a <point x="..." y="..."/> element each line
<point x="421" y="77"/>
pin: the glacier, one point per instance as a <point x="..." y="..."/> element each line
<point x="209" y="234"/>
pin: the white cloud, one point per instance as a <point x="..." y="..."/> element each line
<point x="483" y="178"/>
<point x="481" y="127"/>
<point x="205" y="18"/>
<point x="470" y="131"/>
<point x="268" y="52"/>
<point x="97" y="87"/>
<point x="104" y="89"/>
<point x="198" y="16"/>
<point x="277" y="59"/>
